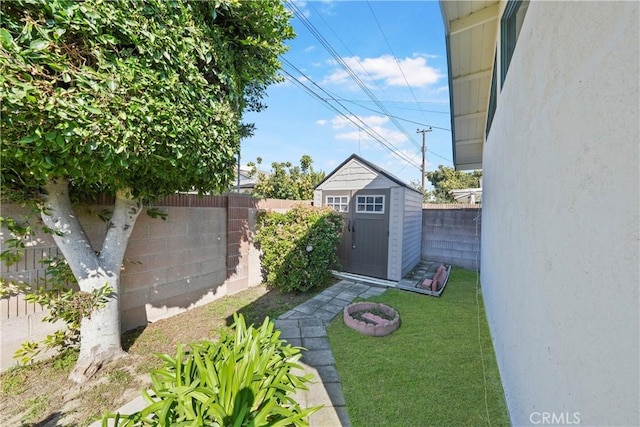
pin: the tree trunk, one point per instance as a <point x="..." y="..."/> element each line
<point x="99" y="333"/>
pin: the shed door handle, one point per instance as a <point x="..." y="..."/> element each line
<point x="349" y="226"/>
<point x="353" y="234"/>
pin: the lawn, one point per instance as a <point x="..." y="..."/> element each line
<point x="439" y="368"/>
<point x="428" y="372"/>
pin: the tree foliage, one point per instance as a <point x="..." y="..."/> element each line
<point x="135" y="98"/>
<point x="445" y="179"/>
<point x="144" y="95"/>
<point x="286" y="181"/>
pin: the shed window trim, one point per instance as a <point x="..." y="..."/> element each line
<point x="338" y="203"/>
<point x="370" y="204"/>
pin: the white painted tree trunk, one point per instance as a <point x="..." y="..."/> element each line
<point x="99" y="333"/>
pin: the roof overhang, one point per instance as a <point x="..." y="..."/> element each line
<point x="471" y="29"/>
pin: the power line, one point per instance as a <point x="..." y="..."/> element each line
<point x="403" y="108"/>
<point x="399" y="118"/>
<point x="354" y="120"/>
<point x="351" y="117"/>
<point x="300" y="15"/>
<point x="353" y="56"/>
<point x="384" y="36"/>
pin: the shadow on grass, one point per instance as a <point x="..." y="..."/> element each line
<point x="51" y="420"/>
<point x="128" y="338"/>
<point x="275" y="303"/>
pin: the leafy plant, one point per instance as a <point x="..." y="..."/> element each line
<point x="446" y="179"/>
<point x="286" y="181"/>
<point x="244" y="379"/>
<point x="299" y="246"/>
<point x="59" y="294"/>
<point x="14" y="246"/>
<point x="65" y="360"/>
<point x="63" y="303"/>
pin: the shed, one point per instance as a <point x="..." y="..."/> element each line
<point x="382" y="219"/>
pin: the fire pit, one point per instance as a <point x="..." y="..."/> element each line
<point x="370" y="318"/>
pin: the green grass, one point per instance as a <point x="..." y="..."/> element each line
<point x="428" y="372"/>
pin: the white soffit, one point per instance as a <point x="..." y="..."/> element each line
<point x="471" y="27"/>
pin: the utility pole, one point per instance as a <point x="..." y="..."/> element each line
<point x="424" y="150"/>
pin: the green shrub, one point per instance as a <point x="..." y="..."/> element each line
<point x="57" y="292"/>
<point x="299" y="246"/>
<point x="243" y="379"/>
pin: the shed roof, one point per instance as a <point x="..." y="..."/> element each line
<point x="371" y="166"/>
<point x="471" y="29"/>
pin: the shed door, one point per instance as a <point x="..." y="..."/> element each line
<point x="364" y="248"/>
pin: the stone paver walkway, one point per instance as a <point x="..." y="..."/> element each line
<point x="305" y="326"/>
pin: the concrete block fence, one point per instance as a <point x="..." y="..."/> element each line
<point x="203" y="251"/>
<point x="451" y="234"/>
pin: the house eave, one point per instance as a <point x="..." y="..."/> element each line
<point x="471" y="29"/>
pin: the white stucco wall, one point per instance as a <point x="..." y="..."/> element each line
<point x="560" y="265"/>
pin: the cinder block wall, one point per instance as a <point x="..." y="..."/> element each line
<point x="203" y="251"/>
<point x="451" y="234"/>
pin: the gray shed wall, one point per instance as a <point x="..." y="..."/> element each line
<point x="396" y="228"/>
<point x="412" y="233"/>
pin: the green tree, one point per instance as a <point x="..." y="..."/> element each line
<point x="136" y="98"/>
<point x="445" y="179"/>
<point x="286" y="181"/>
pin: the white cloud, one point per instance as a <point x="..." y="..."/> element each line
<point x="327" y="7"/>
<point x="398" y="165"/>
<point x="301" y="5"/>
<point x="385" y="69"/>
<point x="441" y="89"/>
<point x="347" y="130"/>
<point x="331" y="164"/>
<point x="309" y="48"/>
<point x="321" y="122"/>
<point x="414" y="155"/>
<point x="425" y="55"/>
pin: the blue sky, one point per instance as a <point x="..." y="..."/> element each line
<point x="396" y="50"/>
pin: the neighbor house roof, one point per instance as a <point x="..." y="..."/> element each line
<point x="471" y="29"/>
<point x="370" y="166"/>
